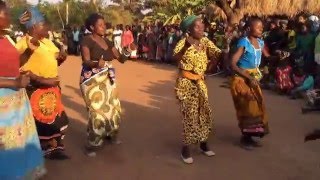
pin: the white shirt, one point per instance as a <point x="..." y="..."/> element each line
<point x="117" y="34"/>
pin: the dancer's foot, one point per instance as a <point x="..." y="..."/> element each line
<point x="246" y="143"/>
<point x="91" y="151"/>
<point x="186" y="155"/>
<point x="57" y="155"/>
<point x="256" y="143"/>
<point x="114" y="140"/>
<point x="206" y="150"/>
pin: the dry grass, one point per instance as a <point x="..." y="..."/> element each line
<point x="270" y="7"/>
<point x="280" y="7"/>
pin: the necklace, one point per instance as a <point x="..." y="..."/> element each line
<point x="198" y="46"/>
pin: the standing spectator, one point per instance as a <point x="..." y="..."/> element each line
<point x="117" y="34"/>
<point x="305" y="47"/>
<point x="70" y="42"/>
<point x="109" y="32"/>
<point x="76" y="35"/>
<point x="127" y="38"/>
<point x="151" y="41"/>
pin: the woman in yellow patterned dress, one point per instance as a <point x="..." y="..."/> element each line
<point x="192" y="54"/>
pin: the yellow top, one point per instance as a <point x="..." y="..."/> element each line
<point x="110" y="34"/>
<point x="194" y="60"/>
<point x="43" y="60"/>
<point x="292" y="44"/>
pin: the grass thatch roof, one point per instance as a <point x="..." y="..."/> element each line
<point x="279" y="7"/>
<point x="288" y="8"/>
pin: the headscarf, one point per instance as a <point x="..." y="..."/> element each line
<point x="187" y="22"/>
<point x="31" y="17"/>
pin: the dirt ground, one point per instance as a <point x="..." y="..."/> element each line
<point x="151" y="134"/>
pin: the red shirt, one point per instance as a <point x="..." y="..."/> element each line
<point x="9" y="59"/>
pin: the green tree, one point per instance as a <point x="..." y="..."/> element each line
<point x="173" y="11"/>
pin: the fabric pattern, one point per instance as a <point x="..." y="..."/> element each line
<point x="46" y="104"/>
<point x="51" y="120"/>
<point x="194" y="60"/>
<point x="283" y="78"/>
<point x="100" y="95"/>
<point x="19" y="143"/>
<point x="249" y="103"/>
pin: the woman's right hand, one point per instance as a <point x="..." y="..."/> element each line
<point x="253" y="82"/>
<point x="101" y="62"/>
<point x="22" y="81"/>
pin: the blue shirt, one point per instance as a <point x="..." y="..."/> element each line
<point x="307" y="84"/>
<point x="251" y="58"/>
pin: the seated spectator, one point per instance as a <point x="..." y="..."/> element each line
<point x="303" y="82"/>
<point x="284" y="83"/>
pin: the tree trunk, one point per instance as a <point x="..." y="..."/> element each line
<point x="233" y="15"/>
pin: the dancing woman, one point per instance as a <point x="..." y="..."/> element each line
<point x="20" y="151"/>
<point x="98" y="86"/>
<point x="41" y="58"/>
<point x="245" y="89"/>
<point x="192" y="54"/>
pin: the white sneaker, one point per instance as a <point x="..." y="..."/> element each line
<point x="187" y="160"/>
<point x="209" y="153"/>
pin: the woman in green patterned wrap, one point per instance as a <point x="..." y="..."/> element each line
<point x="192" y="54"/>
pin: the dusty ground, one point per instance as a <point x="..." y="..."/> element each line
<point x="151" y="131"/>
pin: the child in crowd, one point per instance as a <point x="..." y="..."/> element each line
<point x="284" y="83"/>
<point x="302" y="83"/>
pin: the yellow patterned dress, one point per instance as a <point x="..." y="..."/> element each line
<point x="193" y="95"/>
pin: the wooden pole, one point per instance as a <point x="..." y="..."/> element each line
<point x="67" y="13"/>
<point x="60" y="17"/>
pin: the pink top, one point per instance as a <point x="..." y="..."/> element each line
<point x="127" y="38"/>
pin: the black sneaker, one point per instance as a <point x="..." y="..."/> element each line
<point x="57" y="155"/>
<point x="246" y="143"/>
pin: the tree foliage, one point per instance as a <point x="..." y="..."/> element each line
<point x="173" y="11"/>
<point x="79" y="10"/>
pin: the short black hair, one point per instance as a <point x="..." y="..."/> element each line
<point x="253" y="20"/>
<point x="3" y="5"/>
<point x="92" y="20"/>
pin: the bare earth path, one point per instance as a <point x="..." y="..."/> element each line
<point x="151" y="131"/>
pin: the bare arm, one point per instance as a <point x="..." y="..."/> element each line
<point x="62" y="57"/>
<point x="8" y="83"/>
<point x="85" y="52"/>
<point x="51" y="82"/>
<point x="265" y="53"/>
<point x="234" y="61"/>
<point x="178" y="56"/>
<point x="48" y="81"/>
<point x="268" y="56"/>
<point x="25" y="56"/>
<point x="33" y="44"/>
<point x="120" y="57"/>
<point x="22" y="81"/>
